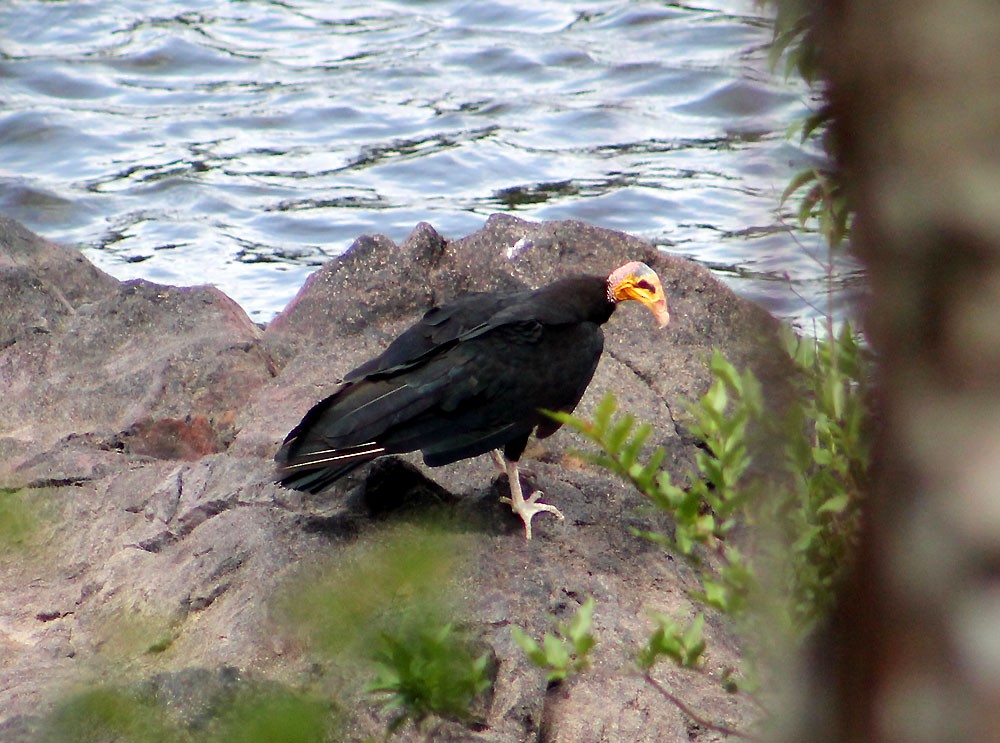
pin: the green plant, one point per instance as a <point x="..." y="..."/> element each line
<point x="823" y="197"/>
<point x="827" y="469"/>
<point x="107" y="713"/>
<point x="684" y="646"/>
<point x="395" y="622"/>
<point x="401" y="573"/>
<point x="429" y="671"/>
<point x="565" y="653"/>
<point x="707" y="510"/>
<point x="275" y="714"/>
<point x="793" y="39"/>
<point x="271" y="714"/>
<point x="779" y="538"/>
<point x="821" y="192"/>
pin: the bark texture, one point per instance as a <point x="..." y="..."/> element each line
<point x="915" y="647"/>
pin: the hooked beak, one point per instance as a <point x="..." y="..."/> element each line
<point x="660" y="312"/>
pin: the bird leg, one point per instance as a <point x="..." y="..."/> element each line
<point x="498" y="460"/>
<point x="526" y="508"/>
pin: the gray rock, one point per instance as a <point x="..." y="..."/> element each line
<point x="140" y="422"/>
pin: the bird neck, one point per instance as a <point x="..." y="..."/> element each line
<point x="585" y="298"/>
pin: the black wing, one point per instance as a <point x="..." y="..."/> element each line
<point x="438" y="328"/>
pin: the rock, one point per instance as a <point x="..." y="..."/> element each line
<point x="119" y="362"/>
<point x="140" y="422"/>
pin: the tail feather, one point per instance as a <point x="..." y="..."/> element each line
<point x="312" y="471"/>
<point x="361" y="421"/>
<point x="311" y="460"/>
<point x="317" y="480"/>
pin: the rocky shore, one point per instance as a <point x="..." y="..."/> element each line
<point x="140" y="422"/>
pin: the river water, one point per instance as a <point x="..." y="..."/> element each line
<point x="243" y="142"/>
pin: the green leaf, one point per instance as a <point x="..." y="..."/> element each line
<point x="556" y="654"/>
<point x="798" y="181"/>
<point x="630" y="450"/>
<point x="813" y="196"/>
<point x="579" y="625"/>
<point x="695" y="631"/>
<point x="603" y="414"/>
<point x="615" y="438"/>
<point x="822" y="457"/>
<point x="656" y="538"/>
<point x="836" y="505"/>
<point x="725" y="371"/>
<point x="529" y="646"/>
<point x="806" y="539"/>
<point x="706" y="524"/>
<point x="567" y="419"/>
<point x="694" y="644"/>
<point x="718" y="402"/>
<point x="711" y="468"/>
<point x="716" y="595"/>
<point x="815" y="120"/>
<point x="685" y="543"/>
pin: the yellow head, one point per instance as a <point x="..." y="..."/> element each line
<point x="638" y="281"/>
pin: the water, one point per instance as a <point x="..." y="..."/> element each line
<point x="242" y="143"/>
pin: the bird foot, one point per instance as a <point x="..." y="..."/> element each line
<point x="528" y="508"/>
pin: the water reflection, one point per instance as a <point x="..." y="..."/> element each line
<point x="243" y="143"/>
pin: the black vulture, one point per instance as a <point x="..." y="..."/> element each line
<point x="473" y="376"/>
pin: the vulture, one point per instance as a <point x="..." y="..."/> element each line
<point x="473" y="376"/>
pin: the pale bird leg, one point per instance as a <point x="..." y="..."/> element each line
<point x="525" y="508"/>
<point x="498" y="460"/>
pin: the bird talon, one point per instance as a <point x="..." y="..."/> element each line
<point x="526" y="508"/>
<point x="533" y="498"/>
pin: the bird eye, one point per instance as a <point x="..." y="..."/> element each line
<point x="645" y="286"/>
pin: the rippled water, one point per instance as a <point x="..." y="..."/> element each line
<point x="242" y="143"/>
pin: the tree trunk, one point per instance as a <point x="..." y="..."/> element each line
<point x="913" y="653"/>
